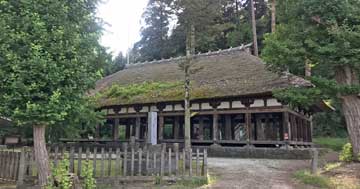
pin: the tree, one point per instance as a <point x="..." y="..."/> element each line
<point x="115" y="65"/>
<point x="273" y="15"/>
<point x="154" y="35"/>
<point x="193" y="14"/>
<point x="327" y="34"/>
<point x="253" y="24"/>
<point x="49" y="58"/>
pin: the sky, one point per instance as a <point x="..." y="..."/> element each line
<point x="123" y="23"/>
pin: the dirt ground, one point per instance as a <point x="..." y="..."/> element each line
<point x="254" y="173"/>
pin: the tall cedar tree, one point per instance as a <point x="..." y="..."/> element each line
<point x="194" y="14"/>
<point x="154" y="35"/>
<point x="327" y="35"/>
<point x="49" y="56"/>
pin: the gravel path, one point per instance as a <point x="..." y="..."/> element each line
<point x="254" y="173"/>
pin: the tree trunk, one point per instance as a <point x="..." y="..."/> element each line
<point x="273" y="16"/>
<point x="41" y="155"/>
<point x="253" y="23"/>
<point x="307" y="68"/>
<point x="190" y="49"/>
<point x="350" y="106"/>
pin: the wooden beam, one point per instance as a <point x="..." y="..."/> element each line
<point x="248" y="126"/>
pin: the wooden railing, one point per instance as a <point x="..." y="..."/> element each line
<point x="109" y="163"/>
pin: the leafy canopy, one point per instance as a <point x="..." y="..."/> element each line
<point x="325" y="34"/>
<point x="49" y="57"/>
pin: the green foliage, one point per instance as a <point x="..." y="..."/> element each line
<point x="219" y="24"/>
<point x="335" y="144"/>
<point x="346" y="153"/>
<point x="49" y="57"/>
<point x="315" y="180"/>
<point x="88" y="177"/>
<point x="61" y="176"/>
<point x="330" y="124"/>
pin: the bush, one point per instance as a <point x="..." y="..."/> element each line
<point x="87" y="174"/>
<point x="61" y="178"/>
<point x="346" y="153"/>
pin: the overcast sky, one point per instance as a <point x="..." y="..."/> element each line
<point x="123" y="23"/>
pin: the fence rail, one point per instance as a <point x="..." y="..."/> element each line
<point x="125" y="162"/>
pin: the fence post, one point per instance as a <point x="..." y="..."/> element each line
<point x="205" y="163"/>
<point x="125" y="159"/>
<point x="169" y="162"/>
<point x="314" y="161"/>
<point x="21" y="173"/>
<point x="94" y="160"/>
<point x="190" y="162"/>
<point x="176" y="149"/>
<point x="197" y="162"/>
<point x="162" y="159"/>
<point x="109" y="161"/>
<point x="140" y="161"/>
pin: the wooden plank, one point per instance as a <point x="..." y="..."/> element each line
<point x="154" y="164"/>
<point x="147" y="162"/>
<point x="184" y="162"/>
<point x="22" y="167"/>
<point x="79" y="161"/>
<point x="228" y="127"/>
<point x="125" y="161"/>
<point x="102" y="162"/>
<point x="72" y="159"/>
<point x="16" y="166"/>
<point x="109" y="161"/>
<point x="117" y="163"/>
<point x="169" y="162"/>
<point x="215" y="126"/>
<point x="87" y="154"/>
<point x="140" y="161"/>
<point x="161" y="126"/>
<point x="162" y="161"/>
<point x="176" y="149"/>
<point x="94" y="160"/>
<point x="132" y="161"/>
<point x="197" y="162"/>
<point x="205" y="163"/>
<point x="11" y="165"/>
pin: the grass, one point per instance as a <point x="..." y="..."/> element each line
<point x="335" y="144"/>
<point x="313" y="179"/>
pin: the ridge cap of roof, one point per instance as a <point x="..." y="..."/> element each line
<point x="209" y="53"/>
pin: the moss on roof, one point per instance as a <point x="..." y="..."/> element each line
<point x="232" y="72"/>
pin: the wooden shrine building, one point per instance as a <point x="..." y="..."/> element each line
<point x="231" y="102"/>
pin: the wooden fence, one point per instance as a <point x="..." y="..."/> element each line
<point x="125" y="162"/>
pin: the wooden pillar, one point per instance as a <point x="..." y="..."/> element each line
<point x="228" y="127"/>
<point x="176" y="127"/>
<point x="161" y="126"/>
<point x="248" y="127"/>
<point x="116" y="129"/>
<point x="127" y="129"/>
<point x="201" y="128"/>
<point x="137" y="108"/>
<point x="214" y="105"/>
<point x="137" y="126"/>
<point x="286" y="127"/>
<point x="215" y="126"/>
<point x="97" y="132"/>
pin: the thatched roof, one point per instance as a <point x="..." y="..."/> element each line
<point x="225" y="73"/>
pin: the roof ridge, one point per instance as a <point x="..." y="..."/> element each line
<point x="209" y="53"/>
